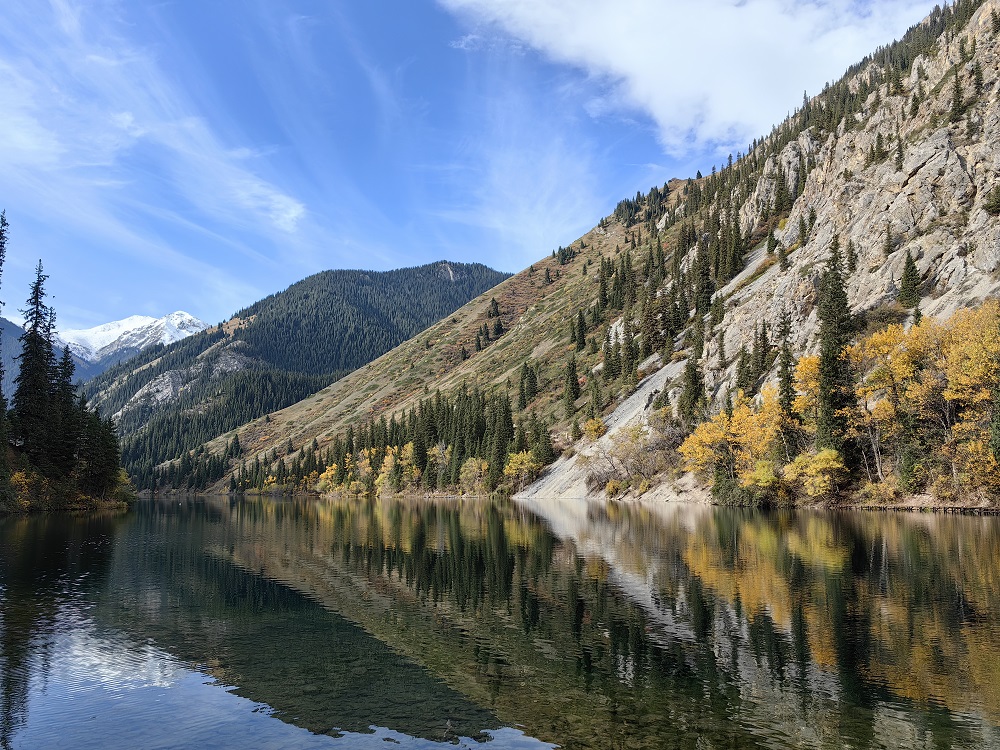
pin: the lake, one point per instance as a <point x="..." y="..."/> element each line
<point x="266" y="623"/>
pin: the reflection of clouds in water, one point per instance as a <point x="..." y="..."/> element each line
<point x="103" y="691"/>
<point x="87" y="660"/>
<point x="506" y="738"/>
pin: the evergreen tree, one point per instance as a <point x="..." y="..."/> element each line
<point x="691" y="404"/>
<point x="571" y="391"/>
<point x="957" y="109"/>
<point x="32" y="405"/>
<point x="581" y="331"/>
<point x="4" y="468"/>
<point x="909" y="292"/>
<point x="786" y="365"/>
<point x="835" y="382"/>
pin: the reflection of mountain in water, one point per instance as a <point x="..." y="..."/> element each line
<point x="603" y="626"/>
<point x="690" y="622"/>
<point x="275" y="645"/>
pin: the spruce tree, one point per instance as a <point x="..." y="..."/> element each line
<point x="835" y="384"/>
<point x="581" y="332"/>
<point x="4" y="468"/>
<point x="957" y="106"/>
<point x="571" y="391"/>
<point x="786" y="387"/>
<point x="691" y="404"/>
<point x="909" y="292"/>
<point x="32" y="394"/>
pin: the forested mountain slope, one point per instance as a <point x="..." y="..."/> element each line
<point x="872" y="206"/>
<point x="169" y="399"/>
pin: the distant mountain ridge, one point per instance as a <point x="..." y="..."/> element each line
<point x="168" y="399"/>
<point x="112" y="342"/>
<point x="10" y="348"/>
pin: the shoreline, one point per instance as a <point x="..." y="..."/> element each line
<point x="658" y="496"/>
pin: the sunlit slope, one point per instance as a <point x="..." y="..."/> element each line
<point x="535" y="315"/>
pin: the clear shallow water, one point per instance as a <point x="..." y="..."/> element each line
<point x="300" y="624"/>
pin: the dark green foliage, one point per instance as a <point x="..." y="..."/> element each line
<point x="852" y="257"/>
<point x="4" y="467"/>
<point x="957" y="109"/>
<point x="52" y="433"/>
<point x="909" y="291"/>
<point x="33" y="394"/>
<point x="571" y="387"/>
<point x="692" y="401"/>
<point x="786" y="366"/>
<point x="995" y="425"/>
<point x="581" y="332"/>
<point x="528" y="386"/>
<point x="835" y="381"/>
<point x="992" y="204"/>
<point x="298" y="341"/>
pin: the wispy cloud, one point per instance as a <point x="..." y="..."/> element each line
<point x="96" y="131"/>
<point x="711" y="73"/>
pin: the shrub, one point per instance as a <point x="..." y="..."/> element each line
<point x="594" y="428"/>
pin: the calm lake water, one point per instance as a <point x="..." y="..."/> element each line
<point x="311" y="624"/>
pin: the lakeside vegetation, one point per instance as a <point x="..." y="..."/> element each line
<point x="55" y="452"/>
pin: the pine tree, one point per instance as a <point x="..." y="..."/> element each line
<point x="888" y="245"/>
<point x="835" y="384"/>
<point x="786" y="364"/>
<point x="4" y="468"/>
<point x="909" y="292"/>
<point x="581" y="332"/>
<point x="571" y="391"/>
<point x="957" y="109"/>
<point x="852" y="257"/>
<point x="691" y="404"/>
<point x="32" y="393"/>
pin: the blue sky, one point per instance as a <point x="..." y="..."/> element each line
<point x="201" y="155"/>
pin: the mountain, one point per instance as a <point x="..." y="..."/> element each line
<point x="170" y="398"/>
<point x="874" y="205"/>
<point x="10" y="347"/>
<point x="110" y="343"/>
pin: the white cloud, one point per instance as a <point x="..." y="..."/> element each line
<point x="711" y="73"/>
<point x="523" y="175"/>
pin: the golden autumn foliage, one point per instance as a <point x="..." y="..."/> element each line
<point x="742" y="444"/>
<point x="594" y="428"/>
<point x="818" y="472"/>
<point x="926" y="417"/>
<point x="521" y="469"/>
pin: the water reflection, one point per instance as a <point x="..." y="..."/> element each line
<point x="599" y="625"/>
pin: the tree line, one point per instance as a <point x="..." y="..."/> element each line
<point x="55" y="451"/>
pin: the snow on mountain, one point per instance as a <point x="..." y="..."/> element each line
<point x="131" y="334"/>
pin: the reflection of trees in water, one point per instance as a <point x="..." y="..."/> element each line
<point x="896" y="606"/>
<point x="175" y="582"/>
<point x="808" y="605"/>
<point x="44" y="561"/>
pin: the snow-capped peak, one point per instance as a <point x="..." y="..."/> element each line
<point x="133" y="333"/>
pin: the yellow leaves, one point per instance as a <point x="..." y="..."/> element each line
<point x="806" y="402"/>
<point x="818" y="473"/>
<point x="521" y="469"/>
<point x="972" y="354"/>
<point x="471" y="475"/>
<point x="743" y="441"/>
<point x="594" y="428"/>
